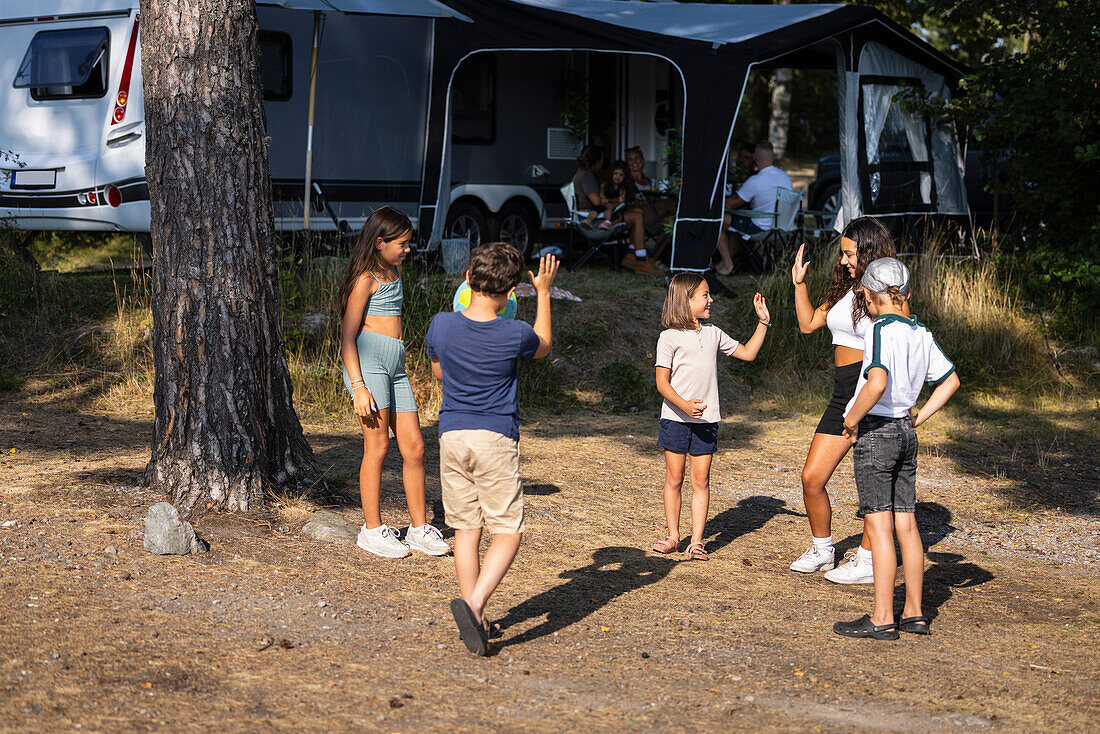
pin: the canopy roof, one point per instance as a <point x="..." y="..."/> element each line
<point x="701" y="22"/>
<point x="22" y="10"/>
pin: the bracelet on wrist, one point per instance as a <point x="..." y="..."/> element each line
<point x="356" y="387"/>
<point x="767" y="324"/>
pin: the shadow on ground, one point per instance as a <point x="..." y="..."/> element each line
<point x="613" y="572"/>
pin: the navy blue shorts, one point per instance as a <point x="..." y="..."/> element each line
<point x="696" y="439"/>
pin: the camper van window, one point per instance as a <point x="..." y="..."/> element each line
<point x="276" y="65"/>
<point x="69" y="64"/>
<point x="473" y="101"/>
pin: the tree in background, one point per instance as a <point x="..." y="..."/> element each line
<point x="225" y="426"/>
<point x="1033" y="106"/>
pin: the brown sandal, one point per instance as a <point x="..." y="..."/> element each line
<point x="668" y="545"/>
<point x="696" y="552"/>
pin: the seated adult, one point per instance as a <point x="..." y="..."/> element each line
<point x="744" y="166"/>
<point x="758" y="193"/>
<point x="586" y="190"/>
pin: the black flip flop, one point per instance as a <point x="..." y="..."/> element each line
<point x="909" y="624"/>
<point x="492" y="630"/>
<point x="469" y="630"/>
<point x="863" y="627"/>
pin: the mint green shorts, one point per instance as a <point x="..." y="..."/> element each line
<point x="382" y="364"/>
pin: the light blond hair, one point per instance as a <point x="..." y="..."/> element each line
<point x="892" y="295"/>
<point x="676" y="313"/>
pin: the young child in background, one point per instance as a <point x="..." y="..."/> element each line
<point x="374" y="373"/>
<point x="473" y="352"/>
<point x="687" y="378"/>
<point x="899" y="356"/>
<point x="615" y="190"/>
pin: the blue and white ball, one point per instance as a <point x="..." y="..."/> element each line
<point x="462" y="302"/>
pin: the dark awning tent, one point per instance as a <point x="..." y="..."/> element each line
<point x="714" y="48"/>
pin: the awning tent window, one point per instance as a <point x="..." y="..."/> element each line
<point x="898" y="171"/>
<point x="68" y="64"/>
<point x="276" y="66"/>
<point x="474" y="100"/>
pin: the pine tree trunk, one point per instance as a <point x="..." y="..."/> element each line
<point x="780" y="123"/>
<point x="225" y="425"/>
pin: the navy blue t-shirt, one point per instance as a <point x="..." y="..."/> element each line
<point x="478" y="359"/>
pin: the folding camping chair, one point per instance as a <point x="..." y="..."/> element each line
<point x="775" y="239"/>
<point x="596" y="237"/>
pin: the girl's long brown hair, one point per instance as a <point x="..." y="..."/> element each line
<point x="385" y="222"/>
<point x="873" y="241"/>
<point x="676" y="313"/>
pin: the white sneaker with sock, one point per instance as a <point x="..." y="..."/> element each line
<point x="815" y="558"/>
<point x="382" y="541"/>
<point x="427" y="539"/>
<point x="855" y="568"/>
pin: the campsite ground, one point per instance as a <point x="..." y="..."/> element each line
<point x="271" y="630"/>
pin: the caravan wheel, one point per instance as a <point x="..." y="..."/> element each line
<point x="466" y="220"/>
<point x="516" y="228"/>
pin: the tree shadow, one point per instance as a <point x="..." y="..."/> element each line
<point x="1047" y="462"/>
<point x="748" y="515"/>
<point x="613" y="572"/>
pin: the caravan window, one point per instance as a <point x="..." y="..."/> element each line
<point x="897" y="172"/>
<point x="69" y="64"/>
<point x="473" y="101"/>
<point x="275" y="66"/>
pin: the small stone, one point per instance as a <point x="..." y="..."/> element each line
<point x="55" y="655"/>
<point x="396" y="703"/>
<point x="330" y="527"/>
<point x="110" y="550"/>
<point x="645" y="656"/>
<point x="322" y="604"/>
<point x="284" y="528"/>
<point x="749" y="699"/>
<point x="234" y="585"/>
<point x="167" y="534"/>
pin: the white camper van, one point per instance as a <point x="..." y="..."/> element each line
<point x="71" y="117"/>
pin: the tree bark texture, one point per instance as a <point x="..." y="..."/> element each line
<point x="225" y="424"/>
<point x="780" y="124"/>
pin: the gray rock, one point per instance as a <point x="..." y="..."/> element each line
<point x="330" y="527"/>
<point x="166" y="534"/>
<point x="315" y="324"/>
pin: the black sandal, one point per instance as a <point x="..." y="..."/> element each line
<point x="492" y="629"/>
<point x="469" y="631"/>
<point x="911" y="625"/>
<point x="863" y="627"/>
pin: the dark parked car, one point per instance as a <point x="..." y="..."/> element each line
<point x="825" y="189"/>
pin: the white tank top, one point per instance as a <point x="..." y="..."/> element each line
<point x="839" y="321"/>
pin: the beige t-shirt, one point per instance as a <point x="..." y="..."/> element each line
<point x="691" y="357"/>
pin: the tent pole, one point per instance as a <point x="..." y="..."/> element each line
<point x="312" y="98"/>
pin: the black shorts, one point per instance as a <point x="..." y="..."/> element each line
<point x="844" y="387"/>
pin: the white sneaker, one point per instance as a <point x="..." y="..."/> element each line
<point x="852" y="570"/>
<point x="427" y="539"/>
<point x="814" y="559"/>
<point x="382" y="541"/>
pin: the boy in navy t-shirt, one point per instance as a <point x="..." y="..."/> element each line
<point x="474" y="353"/>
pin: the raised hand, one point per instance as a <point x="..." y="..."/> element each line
<point x="798" y="270"/>
<point x="761" y="308"/>
<point x="548" y="268"/>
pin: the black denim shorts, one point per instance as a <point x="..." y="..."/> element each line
<point x="845" y="380"/>
<point x="885" y="459"/>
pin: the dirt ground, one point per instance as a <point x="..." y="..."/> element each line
<point x="273" y="631"/>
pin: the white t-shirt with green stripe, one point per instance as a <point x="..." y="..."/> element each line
<point x="906" y="349"/>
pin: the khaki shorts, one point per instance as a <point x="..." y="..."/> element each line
<point x="479" y="471"/>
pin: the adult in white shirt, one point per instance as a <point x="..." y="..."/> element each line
<point x="758" y="193"/>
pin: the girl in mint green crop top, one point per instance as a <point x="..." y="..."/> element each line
<point x="374" y="375"/>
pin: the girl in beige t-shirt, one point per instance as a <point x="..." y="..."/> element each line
<point x="687" y="378"/>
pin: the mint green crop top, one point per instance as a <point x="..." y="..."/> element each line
<point x="386" y="301"/>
